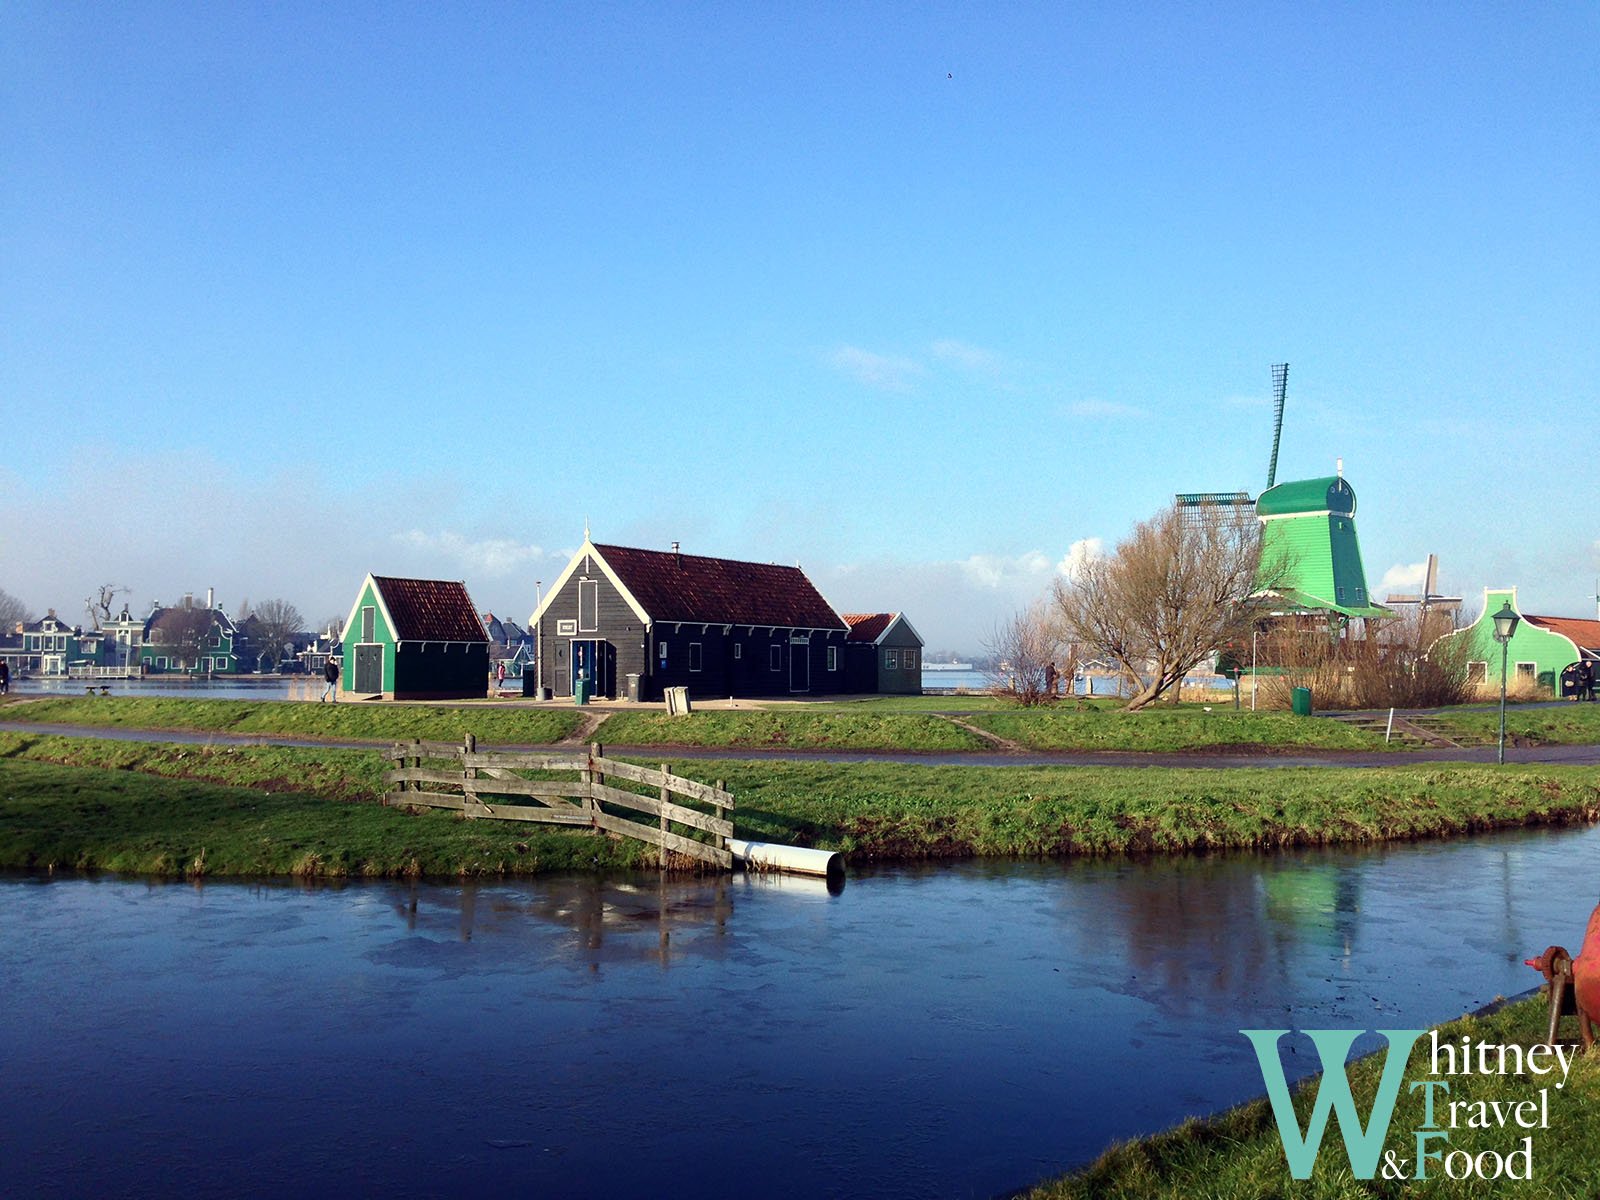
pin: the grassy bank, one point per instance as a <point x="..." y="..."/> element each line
<point x="1237" y="1155"/>
<point x="1569" y="725"/>
<point x="789" y="729"/>
<point x="374" y="722"/>
<point x="1187" y="727"/>
<point x="871" y="811"/>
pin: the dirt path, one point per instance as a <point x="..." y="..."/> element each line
<point x="1005" y="745"/>
<point x="589" y="724"/>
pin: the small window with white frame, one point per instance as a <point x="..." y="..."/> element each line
<point x="833" y="658"/>
<point x="908" y="660"/>
<point x="1527" y="672"/>
<point x="891" y="660"/>
<point x="775" y="658"/>
<point x="738" y="650"/>
<point x="661" y="652"/>
<point x="1477" y="672"/>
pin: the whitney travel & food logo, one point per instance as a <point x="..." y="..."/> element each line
<point x="1364" y="1141"/>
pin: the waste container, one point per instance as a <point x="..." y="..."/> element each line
<point x="529" y="682"/>
<point x="633" y="688"/>
<point x="1300" y="701"/>
<point x="580" y="691"/>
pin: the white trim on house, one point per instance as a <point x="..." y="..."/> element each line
<point x="587" y="549"/>
<point x="383" y="607"/>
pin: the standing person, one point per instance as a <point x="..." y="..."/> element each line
<point x="500" y="674"/>
<point x="330" y="672"/>
<point x="5" y="678"/>
<point x="1586" y="680"/>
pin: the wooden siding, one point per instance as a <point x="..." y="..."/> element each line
<point x="617" y="624"/>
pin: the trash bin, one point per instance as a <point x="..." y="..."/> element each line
<point x="580" y="691"/>
<point x="633" y="688"/>
<point x="1300" y="701"/>
<point x="529" y="682"/>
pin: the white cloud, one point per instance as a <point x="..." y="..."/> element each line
<point x="1080" y="554"/>
<point x="961" y="354"/>
<point x="1402" y="577"/>
<point x="495" y="557"/>
<point x="887" y="373"/>
<point x="1093" y="407"/>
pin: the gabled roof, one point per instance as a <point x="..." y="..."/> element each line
<point x="427" y="610"/>
<point x="717" y="591"/>
<point x="1581" y="633"/>
<point x="867" y="627"/>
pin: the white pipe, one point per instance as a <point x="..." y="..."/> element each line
<point x="800" y="859"/>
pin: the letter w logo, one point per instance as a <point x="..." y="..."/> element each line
<point x="1363" y="1146"/>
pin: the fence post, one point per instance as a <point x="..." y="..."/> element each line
<point x="666" y="799"/>
<point x="722" y="815"/>
<point x="469" y="790"/>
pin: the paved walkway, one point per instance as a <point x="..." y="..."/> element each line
<point x="1206" y="760"/>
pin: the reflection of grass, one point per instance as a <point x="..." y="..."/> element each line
<point x="1238" y="1153"/>
<point x="443" y="723"/>
<point x="871" y="811"/>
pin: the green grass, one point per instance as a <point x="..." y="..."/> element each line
<point x="971" y="702"/>
<point x="444" y="723"/>
<point x="873" y="812"/>
<point x="1237" y="1155"/>
<point x="1571" y="724"/>
<point x="1186" y="727"/>
<point x="789" y="729"/>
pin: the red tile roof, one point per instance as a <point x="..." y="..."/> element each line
<point x="1584" y="633"/>
<point x="430" y="610"/>
<point x="719" y="591"/>
<point x="868" y="627"/>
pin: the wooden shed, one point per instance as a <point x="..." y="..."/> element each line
<point x="883" y="654"/>
<point x="717" y="626"/>
<point x="414" y="639"/>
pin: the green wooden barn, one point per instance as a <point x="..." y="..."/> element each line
<point x="1538" y="652"/>
<point x="414" y="639"/>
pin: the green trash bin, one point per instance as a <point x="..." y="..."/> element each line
<point x="1300" y="700"/>
<point x="580" y="691"/>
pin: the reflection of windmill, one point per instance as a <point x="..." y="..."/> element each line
<point x="1430" y="600"/>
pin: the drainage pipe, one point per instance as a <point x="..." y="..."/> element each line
<point x="771" y="856"/>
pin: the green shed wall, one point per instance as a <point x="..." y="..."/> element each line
<point x="381" y="635"/>
<point x="1550" y="652"/>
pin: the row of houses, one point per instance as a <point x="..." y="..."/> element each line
<point x="186" y="638"/>
<point x="627" y="623"/>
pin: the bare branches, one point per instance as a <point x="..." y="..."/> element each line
<point x="12" y="611"/>
<point x="1030" y="656"/>
<point x="277" y="621"/>
<point x="1174" y="592"/>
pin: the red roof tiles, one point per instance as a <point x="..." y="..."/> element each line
<point x="429" y="610"/>
<point x="719" y="591"/>
<point x="867" y="627"/>
<point x="1585" y="634"/>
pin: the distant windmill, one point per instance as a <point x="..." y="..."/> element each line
<point x="1280" y="389"/>
<point x="1430" y="600"/>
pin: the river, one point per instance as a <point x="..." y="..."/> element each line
<point x="952" y="1031"/>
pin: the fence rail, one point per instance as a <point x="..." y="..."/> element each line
<point x="477" y="780"/>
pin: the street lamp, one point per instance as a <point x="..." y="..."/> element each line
<point x="1255" y="680"/>
<point x="1505" y="624"/>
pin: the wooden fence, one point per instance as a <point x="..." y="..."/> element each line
<point x="478" y="780"/>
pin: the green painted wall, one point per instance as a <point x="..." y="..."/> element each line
<point x="1549" y="652"/>
<point x="1322" y="557"/>
<point x="381" y="635"/>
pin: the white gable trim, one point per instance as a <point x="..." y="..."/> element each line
<point x="588" y="550"/>
<point x="899" y="619"/>
<point x="355" y="610"/>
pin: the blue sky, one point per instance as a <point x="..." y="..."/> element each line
<point x="921" y="297"/>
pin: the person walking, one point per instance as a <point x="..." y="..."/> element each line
<point x="5" y="678"/>
<point x="500" y="674"/>
<point x="330" y="672"/>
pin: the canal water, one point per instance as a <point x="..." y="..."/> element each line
<point x="951" y="1031"/>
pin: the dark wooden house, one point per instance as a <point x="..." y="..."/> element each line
<point x="414" y="639"/>
<point x="883" y="654"/>
<point x="716" y="626"/>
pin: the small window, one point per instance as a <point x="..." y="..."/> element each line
<point x="891" y="659"/>
<point x="1361" y="596"/>
<point x="908" y="659"/>
<point x="1338" y="595"/>
<point x="366" y="623"/>
<point x="661" y="652"/>
<point x="588" y="605"/>
<point x="738" y="649"/>
<point x="566" y="628"/>
<point x="775" y="658"/>
<point x="1527" y="671"/>
<point x="694" y="656"/>
<point x="833" y="658"/>
<point x="1477" y="672"/>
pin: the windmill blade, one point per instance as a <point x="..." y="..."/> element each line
<point x="1280" y="389"/>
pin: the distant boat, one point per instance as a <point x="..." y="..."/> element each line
<point x="928" y="666"/>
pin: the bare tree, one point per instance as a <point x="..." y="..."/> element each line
<point x="1026" y="652"/>
<point x="1171" y="595"/>
<point x="12" y="611"/>
<point x="182" y="633"/>
<point x="99" y="607"/>
<point x="277" y="621"/>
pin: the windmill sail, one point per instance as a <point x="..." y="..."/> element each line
<point x="1280" y="388"/>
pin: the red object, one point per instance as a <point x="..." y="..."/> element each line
<point x="1586" y="978"/>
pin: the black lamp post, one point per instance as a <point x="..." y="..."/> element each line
<point x="1505" y="624"/>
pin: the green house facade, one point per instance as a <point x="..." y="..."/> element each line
<point x="414" y="639"/>
<point x="1311" y="557"/>
<point x="1540" y="649"/>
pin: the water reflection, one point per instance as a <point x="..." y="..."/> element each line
<point x="931" y="1031"/>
